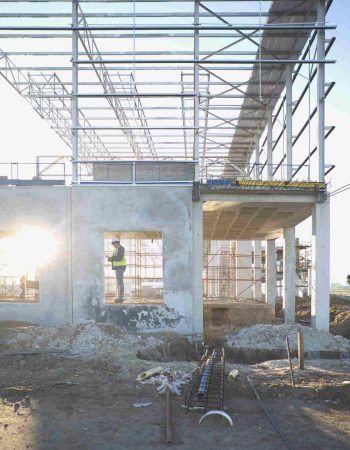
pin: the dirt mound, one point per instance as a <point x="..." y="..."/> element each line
<point x="271" y="337"/>
<point x="87" y="339"/>
<point x="338" y="314"/>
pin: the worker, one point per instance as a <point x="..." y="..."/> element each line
<point x="119" y="265"/>
<point x="22" y="285"/>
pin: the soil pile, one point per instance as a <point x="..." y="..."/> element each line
<point x="270" y="337"/>
<point x="87" y="340"/>
<point x="339" y="313"/>
<point x="341" y="324"/>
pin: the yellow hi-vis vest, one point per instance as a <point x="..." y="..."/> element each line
<point x="120" y="263"/>
<point x="115" y="263"/>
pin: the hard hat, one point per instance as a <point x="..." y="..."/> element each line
<point x="115" y="240"/>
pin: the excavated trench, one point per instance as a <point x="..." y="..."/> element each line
<point x="181" y="349"/>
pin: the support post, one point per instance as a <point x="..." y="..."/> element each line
<point x="244" y="270"/>
<point x="301" y="350"/>
<point x="321" y="18"/>
<point x="257" y="159"/>
<point x="269" y="145"/>
<point x="320" y="266"/>
<point x="257" y="270"/>
<point x="271" y="272"/>
<point x="196" y="94"/>
<point x="75" y="113"/>
<point x="197" y="268"/>
<point x="289" y="265"/>
<point x="289" y="120"/>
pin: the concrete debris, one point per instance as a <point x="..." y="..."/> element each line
<point x="265" y="336"/>
<point x="172" y="379"/>
<point x="142" y="405"/>
<point x="87" y="340"/>
<point x="233" y="375"/>
<point x="149" y="373"/>
<point x="67" y="383"/>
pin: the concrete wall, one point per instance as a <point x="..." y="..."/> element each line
<point x="105" y="208"/>
<point x="221" y="319"/>
<point x="47" y="208"/>
<point x="79" y="216"/>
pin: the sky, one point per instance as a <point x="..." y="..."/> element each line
<point x="24" y="135"/>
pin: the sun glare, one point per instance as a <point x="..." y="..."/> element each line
<point x="28" y="250"/>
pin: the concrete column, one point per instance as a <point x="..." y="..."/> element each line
<point x="309" y="283"/>
<point x="244" y="270"/>
<point x="289" y="120"/>
<point x="320" y="266"/>
<point x="269" y="145"/>
<point x="271" y="289"/>
<point x="257" y="271"/>
<point x="289" y="262"/>
<point x="197" y="268"/>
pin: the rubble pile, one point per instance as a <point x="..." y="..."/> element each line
<point x="270" y="337"/>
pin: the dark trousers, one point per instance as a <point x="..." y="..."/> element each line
<point x="119" y="275"/>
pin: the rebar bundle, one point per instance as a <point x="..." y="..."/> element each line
<point x="207" y="387"/>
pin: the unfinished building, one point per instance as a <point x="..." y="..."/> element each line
<point x="197" y="131"/>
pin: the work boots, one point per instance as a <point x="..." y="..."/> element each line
<point x="120" y="297"/>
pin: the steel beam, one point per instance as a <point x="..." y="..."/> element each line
<point x="289" y="120"/>
<point x="321" y="14"/>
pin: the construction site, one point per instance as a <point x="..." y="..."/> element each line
<point x="154" y="289"/>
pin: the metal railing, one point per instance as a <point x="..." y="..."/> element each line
<point x="14" y="173"/>
<point x="261" y="172"/>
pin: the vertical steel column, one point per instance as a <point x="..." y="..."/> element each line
<point x="74" y="113"/>
<point x="321" y="18"/>
<point x="269" y="144"/>
<point x="196" y="93"/>
<point x="257" y="159"/>
<point x="289" y="120"/>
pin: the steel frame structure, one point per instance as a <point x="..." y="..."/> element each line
<point x="175" y="80"/>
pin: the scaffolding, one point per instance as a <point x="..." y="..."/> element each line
<point x="225" y="271"/>
<point x="143" y="277"/>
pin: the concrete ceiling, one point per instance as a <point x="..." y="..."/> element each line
<point x="251" y="220"/>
